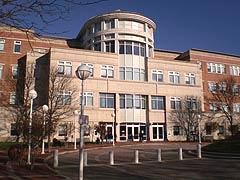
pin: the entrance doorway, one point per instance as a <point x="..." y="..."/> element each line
<point x="132" y="131"/>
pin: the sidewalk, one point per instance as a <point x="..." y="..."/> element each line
<point x="12" y="171"/>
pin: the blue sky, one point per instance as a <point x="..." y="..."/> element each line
<point x="212" y="25"/>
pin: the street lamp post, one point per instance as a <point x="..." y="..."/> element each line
<point x="113" y="131"/>
<point x="45" y="109"/>
<point x="82" y="73"/>
<point x="199" y="129"/>
<point x="32" y="95"/>
<point x="199" y="137"/>
<point x="74" y="124"/>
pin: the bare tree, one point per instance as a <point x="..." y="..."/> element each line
<point x="28" y="15"/>
<point x="61" y="91"/>
<point x="225" y="100"/>
<point x="187" y="115"/>
<point x="17" y="100"/>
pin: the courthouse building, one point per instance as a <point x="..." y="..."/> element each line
<point x="132" y="87"/>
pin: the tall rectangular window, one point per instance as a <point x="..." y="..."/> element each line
<point x="97" y="27"/>
<point x="110" y="24"/>
<point x="177" y="131"/>
<point x="91" y="68"/>
<point x="65" y="68"/>
<point x="157" y="102"/>
<point x="235" y="70"/>
<point x="1" y="71"/>
<point x="110" y="46"/>
<point x="191" y="103"/>
<point x="174" y="77"/>
<point x="13" y="98"/>
<point x="107" y="100"/>
<point x="2" y="44"/>
<point x="17" y="47"/>
<point x="15" y="71"/>
<point x="64" y="98"/>
<point x="212" y="87"/>
<point x="88" y="99"/>
<point x="107" y="71"/>
<point x="62" y="130"/>
<point x="13" y="129"/>
<point x="190" y="78"/>
<point x="175" y="103"/>
<point x="157" y="75"/>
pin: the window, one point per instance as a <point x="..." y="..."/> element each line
<point x="129" y="73"/>
<point x="220" y="130"/>
<point x="13" y="98"/>
<point x="64" y="98"/>
<point x="2" y="44"/>
<point x="110" y="24"/>
<point x="235" y="70"/>
<point x="88" y="99"/>
<point x="15" y="71"/>
<point x="175" y="103"/>
<point x="236" y="107"/>
<point x="62" y="130"/>
<point x="130" y="47"/>
<point x="65" y="68"/>
<point x="208" y="129"/>
<point x="97" y="46"/>
<point x="177" y="131"/>
<point x="17" y="47"/>
<point x="110" y="46"/>
<point x="109" y="36"/>
<point x="91" y="68"/>
<point x="157" y="75"/>
<point x="132" y="101"/>
<point x="191" y="103"/>
<point x="212" y="87"/>
<point x="222" y="87"/>
<point x="97" y="27"/>
<point x="1" y="71"/>
<point x="216" y="68"/>
<point x="174" y="77"/>
<point x="213" y="107"/>
<point x="158" y="131"/>
<point x="158" y="102"/>
<point x="190" y="79"/>
<point x="13" y="129"/>
<point x="107" y="71"/>
<point x="235" y="89"/>
<point x="97" y="38"/>
<point x="107" y="100"/>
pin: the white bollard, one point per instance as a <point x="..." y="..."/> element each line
<point x="55" y="158"/>
<point x="85" y="158"/>
<point x="136" y="153"/>
<point x="180" y="154"/>
<point x="159" y="152"/>
<point x="111" y="157"/>
<point x="199" y="151"/>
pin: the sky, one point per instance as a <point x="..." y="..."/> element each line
<point x="212" y="25"/>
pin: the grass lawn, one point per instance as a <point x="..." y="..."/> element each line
<point x="6" y="145"/>
<point x="227" y="146"/>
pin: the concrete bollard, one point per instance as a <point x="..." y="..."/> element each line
<point x="159" y="155"/>
<point x="111" y="157"/>
<point x="136" y="153"/>
<point x="180" y="154"/>
<point x="199" y="151"/>
<point x="85" y="159"/>
<point x="55" y="158"/>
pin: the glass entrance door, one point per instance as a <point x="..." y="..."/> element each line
<point x="133" y="132"/>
